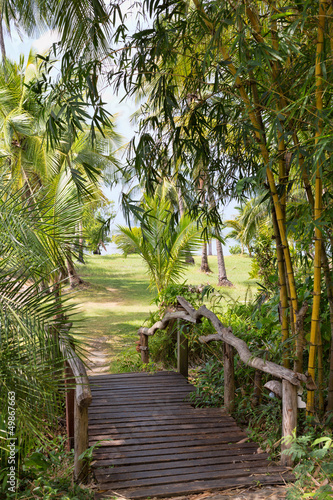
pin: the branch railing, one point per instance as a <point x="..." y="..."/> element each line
<point x="78" y="399"/>
<point x="291" y="380"/>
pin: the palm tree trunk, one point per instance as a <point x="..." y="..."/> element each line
<point x="210" y="247"/>
<point x="2" y="41"/>
<point x="74" y="278"/>
<point x="80" y="257"/>
<point x="222" y="279"/>
<point x="204" y="268"/>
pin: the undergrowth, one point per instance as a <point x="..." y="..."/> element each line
<point x="46" y="473"/>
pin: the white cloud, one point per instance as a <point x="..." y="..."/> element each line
<point x="45" y="42"/>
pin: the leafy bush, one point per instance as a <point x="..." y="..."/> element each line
<point x="314" y="471"/>
<point x="46" y="473"/>
<point x="125" y="244"/>
<point x="208" y="379"/>
<point x="235" y="249"/>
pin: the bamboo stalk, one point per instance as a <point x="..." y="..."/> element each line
<point x="327" y="275"/>
<point x="320" y="372"/>
<point x="314" y="333"/>
<point x="283" y="291"/>
<point x="259" y="133"/>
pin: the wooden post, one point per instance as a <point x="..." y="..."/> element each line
<point x="81" y="442"/>
<point x="229" y="377"/>
<point x="257" y="393"/>
<point x="144" y="348"/>
<point x="182" y="348"/>
<point x="70" y="396"/>
<point x="289" y="417"/>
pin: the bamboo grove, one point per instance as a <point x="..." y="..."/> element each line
<point x="240" y="93"/>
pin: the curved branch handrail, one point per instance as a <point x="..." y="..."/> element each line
<point x="82" y="389"/>
<point x="225" y="334"/>
<point x="79" y="401"/>
<point x="290" y="380"/>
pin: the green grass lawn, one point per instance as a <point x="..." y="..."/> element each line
<point x="117" y="300"/>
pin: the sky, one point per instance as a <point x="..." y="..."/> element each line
<point x="16" y="46"/>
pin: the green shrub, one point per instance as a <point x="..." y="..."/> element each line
<point x="314" y="471"/>
<point x="235" y="249"/>
<point x="46" y="473"/>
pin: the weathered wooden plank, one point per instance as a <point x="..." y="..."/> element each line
<point x="112" y="475"/>
<point x="165" y="429"/>
<point x="185" y="415"/>
<point x="177" y="441"/>
<point x="204" y="485"/>
<point x="148" y="401"/>
<point x="95" y="428"/>
<point x="146" y="470"/>
<point x="146" y="408"/>
<point x="124" y="390"/>
<point x="151" y="458"/>
<point x="141" y="416"/>
<point x="154" y="450"/>
<point x="135" y="375"/>
<point x="157" y="433"/>
<point x="223" y="472"/>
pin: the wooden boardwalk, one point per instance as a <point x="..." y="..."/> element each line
<point x="155" y="444"/>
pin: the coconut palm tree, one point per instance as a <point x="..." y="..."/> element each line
<point x="24" y="146"/>
<point x="162" y="244"/>
<point x="34" y="237"/>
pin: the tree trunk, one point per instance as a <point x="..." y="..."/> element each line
<point x="210" y="247"/>
<point x="2" y="41"/>
<point x="222" y="279"/>
<point x="81" y="259"/>
<point x="204" y="268"/>
<point x="74" y="278"/>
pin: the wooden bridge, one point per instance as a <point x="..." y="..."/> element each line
<point x="153" y="442"/>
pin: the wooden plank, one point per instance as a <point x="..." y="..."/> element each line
<point x="176" y="442"/>
<point x="223" y="472"/>
<point x="155" y="450"/>
<point x="123" y="391"/>
<point x="180" y="417"/>
<point x="147" y="401"/>
<point x="143" y="416"/>
<point x="158" y="410"/>
<point x="233" y="456"/>
<point x="112" y="474"/>
<point x="144" y="429"/>
<point x="136" y="375"/>
<point x="137" y="434"/>
<point x="146" y="458"/>
<point x="204" y="485"/>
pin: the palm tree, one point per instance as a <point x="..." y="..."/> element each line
<point x="163" y="244"/>
<point x="251" y="215"/>
<point x="32" y="164"/>
<point x="34" y="238"/>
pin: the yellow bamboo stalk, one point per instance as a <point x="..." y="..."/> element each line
<point x="283" y="179"/>
<point x="265" y="154"/>
<point x="320" y="372"/>
<point x="283" y="292"/>
<point x="315" y="317"/>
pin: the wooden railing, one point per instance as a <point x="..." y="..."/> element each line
<point x="291" y="380"/>
<point x="78" y="399"/>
